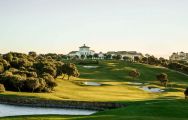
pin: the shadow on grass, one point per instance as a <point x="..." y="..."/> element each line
<point x="158" y="109"/>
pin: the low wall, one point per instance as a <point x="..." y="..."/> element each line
<point x="35" y="102"/>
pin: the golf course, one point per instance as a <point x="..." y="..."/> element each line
<point x="115" y="85"/>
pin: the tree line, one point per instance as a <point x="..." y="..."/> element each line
<point x="33" y="73"/>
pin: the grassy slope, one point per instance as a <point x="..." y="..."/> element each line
<point x="115" y="76"/>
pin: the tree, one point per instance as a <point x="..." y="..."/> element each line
<point x="128" y="59"/>
<point x="89" y="56"/>
<point x="108" y="56"/>
<point x="42" y="85"/>
<point x="64" y="57"/>
<point x="32" y="83"/>
<point x="59" y="68"/>
<point x="70" y="69"/>
<point x="1" y="68"/>
<point x="118" y="57"/>
<point x="134" y="74"/>
<point x="32" y="54"/>
<point x="82" y="56"/>
<point x="145" y="60"/>
<point x="186" y="93"/>
<point x="23" y="62"/>
<point x="5" y="64"/>
<point x="50" y="70"/>
<point x="50" y="81"/>
<point x="136" y="59"/>
<point x="17" y="81"/>
<point x="8" y="57"/>
<point x="96" y="56"/>
<point x="76" y="57"/>
<point x="32" y="72"/>
<point x="153" y="61"/>
<point x="163" y="78"/>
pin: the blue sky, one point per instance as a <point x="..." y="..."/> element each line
<point x="157" y="27"/>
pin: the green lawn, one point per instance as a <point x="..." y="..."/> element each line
<point x="114" y="77"/>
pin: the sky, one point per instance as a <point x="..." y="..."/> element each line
<point x="157" y="27"/>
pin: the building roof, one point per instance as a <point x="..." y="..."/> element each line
<point x="84" y="46"/>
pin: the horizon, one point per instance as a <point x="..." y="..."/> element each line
<point x="155" y="27"/>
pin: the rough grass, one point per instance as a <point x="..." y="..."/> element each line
<point x="114" y="77"/>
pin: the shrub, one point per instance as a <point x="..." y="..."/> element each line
<point x="31" y="74"/>
<point x="13" y="70"/>
<point x="70" y="69"/>
<point x="50" y="70"/>
<point x="1" y="68"/>
<point x="163" y="78"/>
<point x="5" y="64"/>
<point x="23" y="62"/>
<point x="26" y="73"/>
<point x="186" y="93"/>
<point x="50" y="81"/>
<point x="16" y="82"/>
<point x="8" y="57"/>
<point x="42" y="85"/>
<point x="134" y="74"/>
<point x="32" y="54"/>
<point x="32" y="84"/>
<point x="2" y="88"/>
<point x="59" y="68"/>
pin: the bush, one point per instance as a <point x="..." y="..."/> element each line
<point x="5" y="64"/>
<point x="50" y="70"/>
<point x="186" y="93"/>
<point x="42" y="85"/>
<point x="70" y="69"/>
<point x="32" y="84"/>
<point x="36" y="73"/>
<point x="8" y="57"/>
<point x="50" y="81"/>
<point x="163" y="78"/>
<point x="134" y="73"/>
<point x="15" y="82"/>
<point x="2" y="88"/>
<point x="1" y="68"/>
<point x="26" y="73"/>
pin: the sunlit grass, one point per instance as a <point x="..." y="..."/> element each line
<point x="114" y="78"/>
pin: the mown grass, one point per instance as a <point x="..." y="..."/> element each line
<point x="143" y="110"/>
<point x="114" y="77"/>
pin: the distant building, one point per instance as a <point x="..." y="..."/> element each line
<point x="101" y="55"/>
<point x="83" y="51"/>
<point x="129" y="54"/>
<point x="181" y="56"/>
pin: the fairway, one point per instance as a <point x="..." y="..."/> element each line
<point x="113" y="75"/>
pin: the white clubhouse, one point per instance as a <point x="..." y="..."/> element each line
<point x="84" y="52"/>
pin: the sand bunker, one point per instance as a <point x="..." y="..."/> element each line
<point x="92" y="83"/>
<point x="135" y="83"/>
<point x="90" y="67"/>
<point x="150" y="89"/>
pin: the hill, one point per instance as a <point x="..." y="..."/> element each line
<point x="117" y="86"/>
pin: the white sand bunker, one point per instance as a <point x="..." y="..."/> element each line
<point x="92" y="83"/>
<point x="90" y="67"/>
<point x="134" y="83"/>
<point x="150" y="89"/>
<point x="11" y="110"/>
